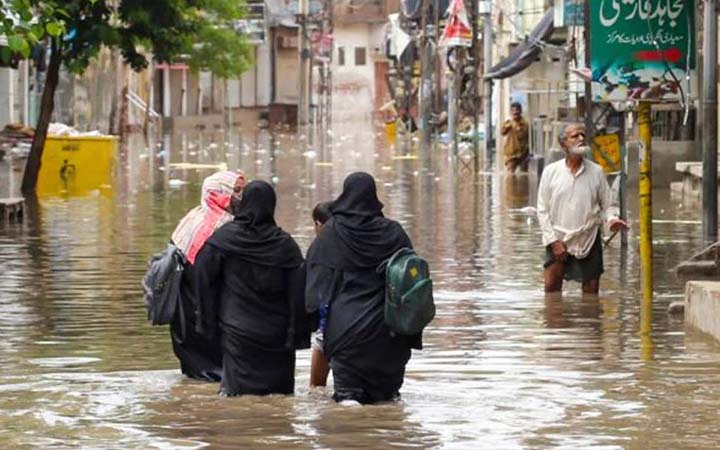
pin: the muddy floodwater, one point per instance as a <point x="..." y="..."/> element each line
<point x="503" y="367"/>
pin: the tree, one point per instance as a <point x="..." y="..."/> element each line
<point x="200" y="32"/>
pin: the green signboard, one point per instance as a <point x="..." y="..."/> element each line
<point x="641" y="49"/>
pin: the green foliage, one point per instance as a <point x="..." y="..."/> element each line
<point x="199" y="32"/>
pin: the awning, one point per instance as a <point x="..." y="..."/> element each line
<point x="527" y="52"/>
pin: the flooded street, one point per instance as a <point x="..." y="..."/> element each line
<point x="503" y="367"/>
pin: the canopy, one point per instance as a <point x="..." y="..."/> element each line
<point x="526" y="53"/>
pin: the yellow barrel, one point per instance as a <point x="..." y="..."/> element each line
<point x="77" y="165"/>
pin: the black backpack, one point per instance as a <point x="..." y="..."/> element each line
<point x="161" y="285"/>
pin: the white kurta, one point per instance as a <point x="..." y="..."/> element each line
<point x="571" y="207"/>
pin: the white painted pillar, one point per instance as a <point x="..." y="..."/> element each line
<point x="11" y="94"/>
<point x="6" y="105"/>
<point x="167" y="112"/>
<point x="26" y="92"/>
<point x="151" y="86"/>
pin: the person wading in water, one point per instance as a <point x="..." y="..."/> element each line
<point x="199" y="354"/>
<point x="319" y="368"/>
<point x="252" y="280"/>
<point x="367" y="360"/>
<point x="573" y="203"/>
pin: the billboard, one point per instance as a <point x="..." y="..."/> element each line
<point x="641" y="49"/>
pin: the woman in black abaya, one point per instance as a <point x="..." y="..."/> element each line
<point x="368" y="363"/>
<point x="252" y="278"/>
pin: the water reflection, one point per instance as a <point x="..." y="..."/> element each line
<point x="504" y="365"/>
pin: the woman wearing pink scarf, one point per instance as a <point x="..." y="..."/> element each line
<point x="200" y="357"/>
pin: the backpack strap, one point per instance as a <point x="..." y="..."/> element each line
<point x="180" y="311"/>
<point x="384" y="265"/>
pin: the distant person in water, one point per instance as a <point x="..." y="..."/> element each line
<point x="319" y="368"/>
<point x="516" y="132"/>
<point x="251" y="279"/>
<point x="199" y="354"/>
<point x="367" y="361"/>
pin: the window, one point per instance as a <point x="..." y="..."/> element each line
<point x="341" y="56"/>
<point x="360" y="56"/>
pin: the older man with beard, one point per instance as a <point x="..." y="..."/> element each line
<point x="573" y="204"/>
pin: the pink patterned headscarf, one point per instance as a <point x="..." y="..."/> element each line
<point x="200" y="222"/>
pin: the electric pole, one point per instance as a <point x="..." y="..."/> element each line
<point x="426" y="80"/>
<point x="485" y="8"/>
<point x="305" y="63"/>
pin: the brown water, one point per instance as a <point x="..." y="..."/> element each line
<point x="504" y="367"/>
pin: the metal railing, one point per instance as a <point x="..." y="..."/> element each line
<point x="140" y="104"/>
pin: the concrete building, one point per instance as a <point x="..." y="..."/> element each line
<point x="359" y="63"/>
<point x="272" y="86"/>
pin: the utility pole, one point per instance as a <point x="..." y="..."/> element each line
<point x="485" y="8"/>
<point x="645" y="191"/>
<point x="474" y="15"/>
<point x="589" y="124"/>
<point x="304" y="56"/>
<point x="426" y="85"/>
<point x="453" y="93"/>
<point x="330" y="33"/>
<point x="438" y="97"/>
<point x="710" y="122"/>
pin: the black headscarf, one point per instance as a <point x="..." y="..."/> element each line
<point x="357" y="236"/>
<point x="253" y="236"/>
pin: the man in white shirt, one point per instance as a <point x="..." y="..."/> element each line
<point x="573" y="204"/>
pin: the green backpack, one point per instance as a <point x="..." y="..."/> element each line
<point x="409" y="304"/>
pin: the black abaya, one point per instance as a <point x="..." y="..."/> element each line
<point x="252" y="278"/>
<point x="367" y="361"/>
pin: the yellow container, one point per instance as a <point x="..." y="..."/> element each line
<point x="77" y="165"/>
<point x="391" y="131"/>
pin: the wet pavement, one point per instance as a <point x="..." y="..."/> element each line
<point x="504" y="366"/>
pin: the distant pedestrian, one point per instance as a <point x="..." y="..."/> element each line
<point x="199" y="354"/>
<point x="573" y="204"/>
<point x="251" y="279"/>
<point x="516" y="131"/>
<point x="367" y="360"/>
<point x="319" y="367"/>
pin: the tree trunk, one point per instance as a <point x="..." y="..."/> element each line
<point x="151" y="86"/>
<point x="47" y="105"/>
<point x="116" y="83"/>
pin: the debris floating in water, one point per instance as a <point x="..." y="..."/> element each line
<point x="175" y="182"/>
<point x="195" y="166"/>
